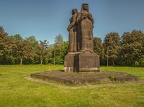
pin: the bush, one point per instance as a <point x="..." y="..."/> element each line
<point x="141" y="62"/>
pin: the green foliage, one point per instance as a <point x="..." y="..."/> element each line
<point x="112" y="46"/>
<point x="42" y="50"/>
<point x="140" y="62"/>
<point x="59" y="49"/>
<point x="112" y="78"/>
<point x="16" y="37"/>
<point x="132" y="47"/>
<point x="125" y="51"/>
<point x="97" y="45"/>
<point x="58" y="40"/>
<point x="98" y="48"/>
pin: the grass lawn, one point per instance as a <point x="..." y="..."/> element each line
<point x="17" y="91"/>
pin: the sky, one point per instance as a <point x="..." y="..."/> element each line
<point x="45" y="19"/>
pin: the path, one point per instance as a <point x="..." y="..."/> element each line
<point x="87" y="85"/>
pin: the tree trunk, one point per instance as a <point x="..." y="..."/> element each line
<point x="41" y="61"/>
<point x="54" y="57"/>
<point x="113" y="63"/>
<point x="21" y="61"/>
<point x="107" y="56"/>
<point x="107" y="60"/>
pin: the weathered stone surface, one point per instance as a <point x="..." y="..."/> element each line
<point x="85" y="28"/>
<point x="72" y="28"/>
<point x="69" y="64"/>
<point x="81" y="56"/>
<point x="88" y="62"/>
<point x="85" y="77"/>
<point x="81" y="62"/>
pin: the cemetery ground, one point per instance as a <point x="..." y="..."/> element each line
<point x="17" y="90"/>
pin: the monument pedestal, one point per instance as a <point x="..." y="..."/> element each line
<point x="81" y="62"/>
<point x="69" y="62"/>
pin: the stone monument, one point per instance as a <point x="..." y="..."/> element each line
<point x="81" y="56"/>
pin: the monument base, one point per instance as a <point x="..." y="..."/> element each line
<point x="81" y="62"/>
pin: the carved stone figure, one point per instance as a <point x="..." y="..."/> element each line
<point x="73" y="32"/>
<point x="81" y="56"/>
<point x="85" y="28"/>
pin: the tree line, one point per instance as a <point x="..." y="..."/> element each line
<point x="127" y="50"/>
<point x="16" y="50"/>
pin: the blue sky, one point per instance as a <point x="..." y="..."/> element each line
<point x="45" y="19"/>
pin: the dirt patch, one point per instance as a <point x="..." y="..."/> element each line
<point x="85" y="85"/>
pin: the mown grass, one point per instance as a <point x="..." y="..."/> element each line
<point x="137" y="71"/>
<point x="16" y="91"/>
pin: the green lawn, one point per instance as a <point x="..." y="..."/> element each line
<point x="17" y="91"/>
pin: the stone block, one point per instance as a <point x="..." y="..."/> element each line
<point x="81" y="62"/>
<point x="89" y="62"/>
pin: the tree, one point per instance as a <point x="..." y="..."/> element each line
<point x="98" y="48"/>
<point x="97" y="45"/>
<point x="65" y="48"/>
<point x="22" y="49"/>
<point x="112" y="46"/>
<point x="58" y="43"/>
<point x="132" y="47"/>
<point x="42" y="47"/>
<point x="33" y="44"/>
<point x="5" y="47"/>
<point x="28" y="52"/>
<point x="58" y="49"/>
<point x="58" y="40"/>
<point x="16" y="37"/>
<point x="3" y="36"/>
<point x="18" y="47"/>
